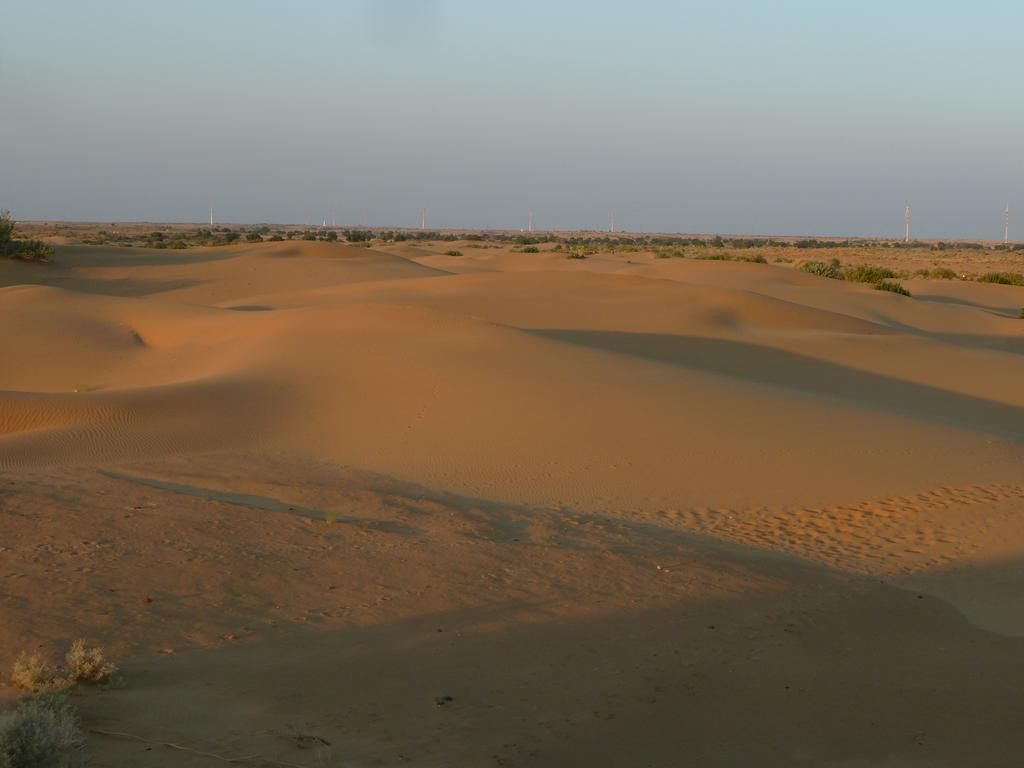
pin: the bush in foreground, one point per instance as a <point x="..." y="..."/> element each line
<point x="42" y="730"/>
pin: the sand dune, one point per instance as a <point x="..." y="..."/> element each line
<point x="520" y="437"/>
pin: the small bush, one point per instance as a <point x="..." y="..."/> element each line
<point x="87" y="665"/>
<point x="892" y="288"/>
<point x="821" y="269"/>
<point x="81" y="665"/>
<point x="453" y="253"/>
<point x="42" y="731"/>
<point x="575" y="255"/>
<point x="865" y="273"/>
<point x="529" y="249"/>
<point x="1022" y="314"/>
<point x="6" y="232"/>
<point x="942" y="273"/>
<point x="30" y="250"/>
<point x="1003" y="278"/>
<point x="254" y="237"/>
<point x="32" y="673"/>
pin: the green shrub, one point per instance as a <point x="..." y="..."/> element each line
<point x="32" y="250"/>
<point x="821" y="269"/>
<point x="892" y="288"/>
<point x="276" y="239"/>
<point x="529" y="249"/>
<point x="865" y="273"/>
<point x="254" y="237"/>
<point x="453" y="253"/>
<point x="332" y="236"/>
<point x="177" y="245"/>
<point x="575" y="255"/>
<point x="27" y="250"/>
<point x="6" y="232"/>
<point x="43" y="731"/>
<point x="1003" y="278"/>
<point x="943" y="273"/>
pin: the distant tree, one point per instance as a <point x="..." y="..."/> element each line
<point x="254" y="237"/>
<point x="230" y="236"/>
<point x="332" y="236"/>
<point x="6" y="233"/>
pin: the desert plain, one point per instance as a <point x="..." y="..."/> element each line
<point x="436" y="504"/>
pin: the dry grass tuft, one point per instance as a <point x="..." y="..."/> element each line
<point x="87" y="665"/>
<point x="32" y="673"/>
<point x="81" y="665"/>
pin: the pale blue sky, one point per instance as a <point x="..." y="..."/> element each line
<point x="778" y="117"/>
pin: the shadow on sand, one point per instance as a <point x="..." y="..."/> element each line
<point x="779" y="368"/>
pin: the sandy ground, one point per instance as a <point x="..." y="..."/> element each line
<point x="331" y="505"/>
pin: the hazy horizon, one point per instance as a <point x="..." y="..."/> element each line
<point x="793" y="119"/>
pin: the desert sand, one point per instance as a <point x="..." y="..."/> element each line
<point x="336" y="505"/>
